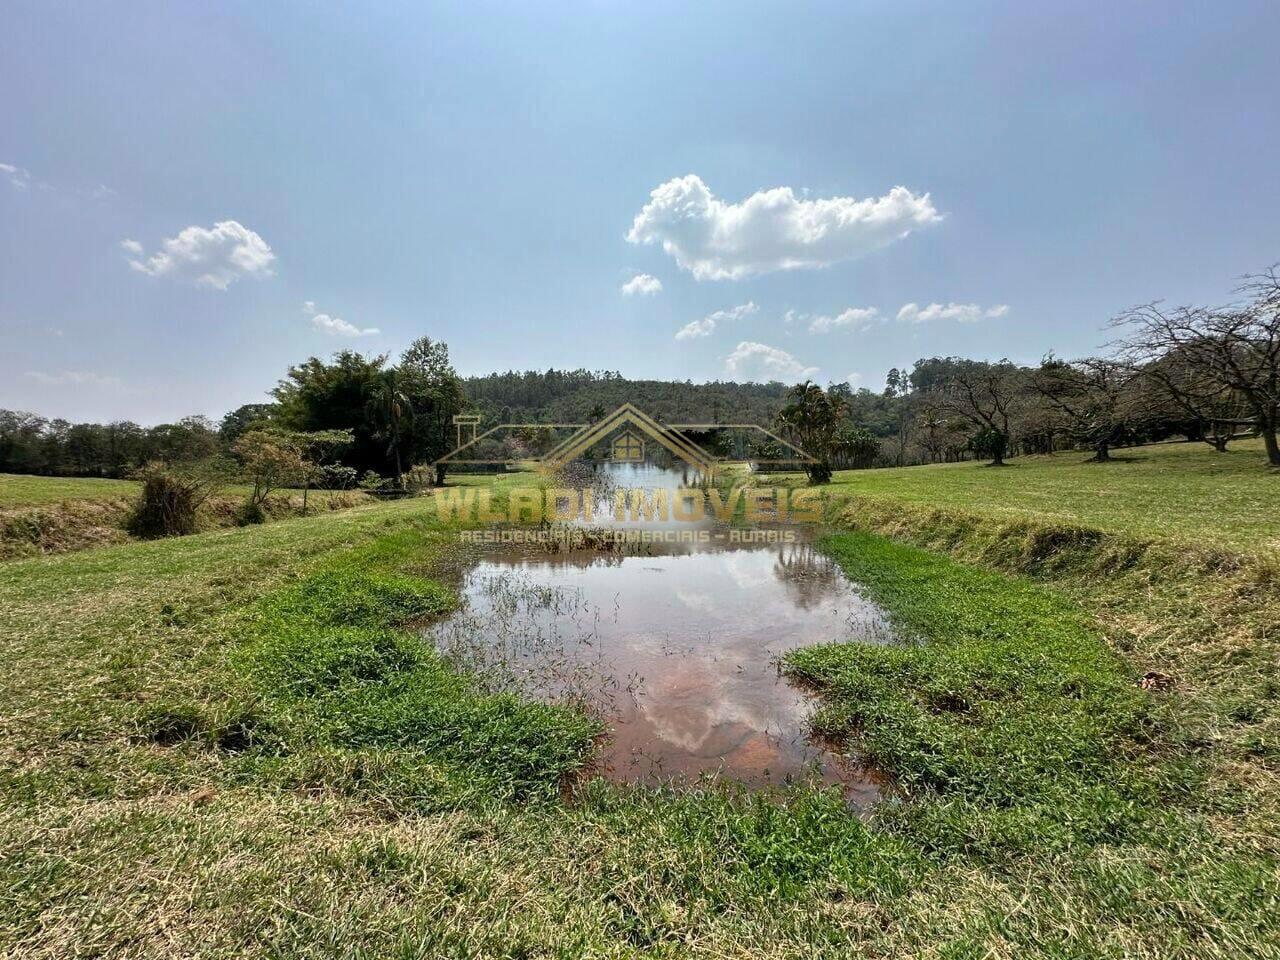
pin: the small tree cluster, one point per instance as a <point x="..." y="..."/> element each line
<point x="272" y="458"/>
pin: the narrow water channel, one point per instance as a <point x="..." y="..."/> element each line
<point x="674" y="645"/>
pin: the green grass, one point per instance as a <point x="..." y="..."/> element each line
<point x="337" y="669"/>
<point x="234" y="744"/>
<point x="19" y="490"/>
<point x="238" y="722"/>
<point x="1174" y="490"/>
<point x="22" y="490"/>
<point x="1009" y="708"/>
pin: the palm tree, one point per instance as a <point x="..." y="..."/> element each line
<point x="812" y="418"/>
<point x="390" y="409"/>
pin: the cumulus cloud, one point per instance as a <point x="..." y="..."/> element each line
<point x="772" y="229"/>
<point x="857" y="318"/>
<point x="214" y="256"/>
<point x="707" y="325"/>
<point x="72" y="378"/>
<point x="854" y="380"/>
<point x="761" y="362"/>
<point x="960" y="312"/>
<point x="336" y="326"/>
<point x="642" y="284"/>
<point x="18" y="178"/>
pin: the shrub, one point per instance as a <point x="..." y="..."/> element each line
<point x="169" y="501"/>
<point x="337" y="476"/>
<point x="250" y="512"/>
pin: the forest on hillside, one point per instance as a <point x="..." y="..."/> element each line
<point x="581" y="396"/>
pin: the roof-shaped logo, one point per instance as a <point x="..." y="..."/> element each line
<point x="629" y="446"/>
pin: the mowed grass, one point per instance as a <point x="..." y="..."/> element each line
<point x="1175" y="490"/>
<point x="235" y="744"/>
<point x="20" y="490"/>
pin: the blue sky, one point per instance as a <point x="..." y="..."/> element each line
<point x="473" y="172"/>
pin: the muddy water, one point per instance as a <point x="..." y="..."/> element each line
<point x="676" y="648"/>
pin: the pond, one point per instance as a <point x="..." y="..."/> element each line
<point x="675" y="645"/>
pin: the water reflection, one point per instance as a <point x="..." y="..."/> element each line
<point x="677" y="648"/>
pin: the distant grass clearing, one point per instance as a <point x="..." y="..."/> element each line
<point x="1180" y="490"/>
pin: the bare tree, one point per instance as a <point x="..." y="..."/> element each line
<point x="988" y="395"/>
<point x="1179" y="390"/>
<point x="1236" y="347"/>
<point x="1093" y="398"/>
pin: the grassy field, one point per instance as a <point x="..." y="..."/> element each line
<point x="1181" y="490"/>
<point x="18" y="490"/>
<point x="21" y="490"/>
<point x="234" y="744"/>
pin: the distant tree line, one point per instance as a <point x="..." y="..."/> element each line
<point x="389" y="416"/>
<point x="34" y="444"/>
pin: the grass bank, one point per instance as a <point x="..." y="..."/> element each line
<point x="45" y="515"/>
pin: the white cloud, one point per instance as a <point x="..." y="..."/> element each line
<point x="960" y="312"/>
<point x="642" y="284"/>
<point x="308" y="307"/>
<point x="707" y="325"/>
<point x="72" y="378"/>
<point x="854" y="380"/>
<point x="131" y="247"/>
<point x="17" y="177"/>
<point x="20" y="179"/>
<point x="761" y="362"/>
<point x="696" y="328"/>
<point x="340" y="328"/>
<point x="214" y="256"/>
<point x="771" y="229"/>
<point x="859" y="318"/>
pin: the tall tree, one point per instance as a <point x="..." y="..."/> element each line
<point x="244" y="418"/>
<point x="1093" y="398"/>
<point x="1184" y="392"/>
<point x="391" y="411"/>
<point x="337" y="395"/>
<point x="812" y="418"/>
<point x="988" y="395"/>
<point x="434" y="391"/>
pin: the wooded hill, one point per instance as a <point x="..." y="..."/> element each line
<point x="580" y="396"/>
